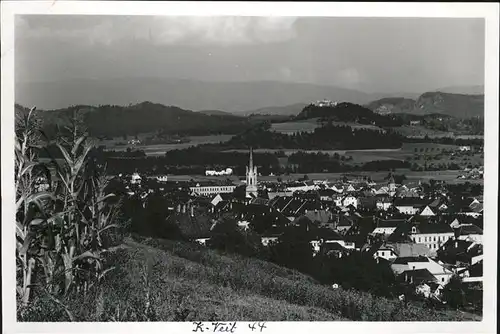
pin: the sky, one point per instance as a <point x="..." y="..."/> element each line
<point x="368" y="54"/>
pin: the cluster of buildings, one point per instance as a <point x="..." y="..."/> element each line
<point x="426" y="238"/>
<point x="325" y="103"/>
<point x="227" y="172"/>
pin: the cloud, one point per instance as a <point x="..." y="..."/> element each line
<point x="158" y="30"/>
<point x="349" y="77"/>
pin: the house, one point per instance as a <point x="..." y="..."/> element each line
<point x="385" y="252"/>
<point x="433" y="235"/>
<point x="210" y="189"/>
<point x="162" y="178"/>
<point x="420" y="277"/>
<point x="350" y="188"/>
<point x="387" y="226"/>
<point x="269" y="238"/>
<point x="456" y="251"/>
<point x="349" y="200"/>
<point x="464" y="148"/>
<point x="344" y="223"/>
<point x="333" y="248"/>
<point x="469" y="232"/>
<point x="392" y="250"/>
<point x="367" y="202"/>
<point x="302" y="186"/>
<point x="202" y="240"/>
<point x="427" y="211"/>
<point x="326" y="195"/>
<point x="429" y="289"/>
<point x="438" y="204"/>
<point x="383" y="202"/>
<point x="409" y="205"/>
<point x="328" y="236"/>
<point x="274" y="194"/>
<point x="403" y="265"/>
<point x="135" y="179"/>
<point x="319" y="216"/>
<point x="221" y="197"/>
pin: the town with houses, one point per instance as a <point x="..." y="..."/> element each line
<point x="426" y="237"/>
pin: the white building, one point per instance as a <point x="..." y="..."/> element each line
<point x="227" y="171"/>
<point x="405" y="264"/>
<point x="210" y="190"/>
<point x="162" y="178"/>
<point x="432" y="235"/>
<point x="349" y="200"/>
<point x="135" y="179"/>
<point x="464" y="148"/>
<point x="427" y="211"/>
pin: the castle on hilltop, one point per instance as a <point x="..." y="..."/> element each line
<point x="325" y="103"/>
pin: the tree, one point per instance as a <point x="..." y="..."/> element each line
<point x="292" y="250"/>
<point x="228" y="237"/>
<point x="454" y="292"/>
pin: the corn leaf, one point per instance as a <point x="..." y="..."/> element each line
<point x="77" y="144"/>
<point x="39" y="196"/>
<point x="65" y="154"/>
<point x="26" y="244"/>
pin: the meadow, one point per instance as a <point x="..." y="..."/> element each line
<point x="308" y="125"/>
<point x="160" y="149"/>
<point x="407" y="151"/>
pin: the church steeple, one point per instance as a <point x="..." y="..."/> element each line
<point x="250" y="165"/>
<point x="251" y="177"/>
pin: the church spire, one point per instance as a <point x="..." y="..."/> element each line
<point x="250" y="166"/>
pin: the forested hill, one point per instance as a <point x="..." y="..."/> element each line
<point x="457" y="105"/>
<point x="113" y="120"/>
<point x="347" y="112"/>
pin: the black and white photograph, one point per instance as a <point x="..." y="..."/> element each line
<point x="231" y="168"/>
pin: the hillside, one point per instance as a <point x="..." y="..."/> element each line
<point x="457" y="105"/>
<point x="346" y="112"/>
<point x="187" y="94"/>
<point x="289" y="110"/>
<point x="216" y="113"/>
<point x="392" y="105"/>
<point x="469" y="90"/>
<point x="187" y="282"/>
<point x="113" y="120"/>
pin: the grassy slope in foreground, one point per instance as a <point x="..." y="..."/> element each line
<point x="188" y="282"/>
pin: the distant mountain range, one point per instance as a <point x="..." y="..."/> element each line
<point x="217" y="113"/>
<point x="457" y="105"/>
<point x="234" y="97"/>
<point x="468" y="90"/>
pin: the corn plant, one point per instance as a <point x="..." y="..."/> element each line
<point x="62" y="233"/>
<point x="87" y="213"/>
<point x="30" y="204"/>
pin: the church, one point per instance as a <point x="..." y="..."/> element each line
<point x="251" y="178"/>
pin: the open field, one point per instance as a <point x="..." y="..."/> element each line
<point x="407" y="151"/>
<point x="308" y="125"/>
<point x="160" y="149"/>
<point x="447" y="176"/>
<point x="419" y="131"/>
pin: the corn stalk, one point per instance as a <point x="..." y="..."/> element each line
<point x="60" y="231"/>
<point x="30" y="205"/>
